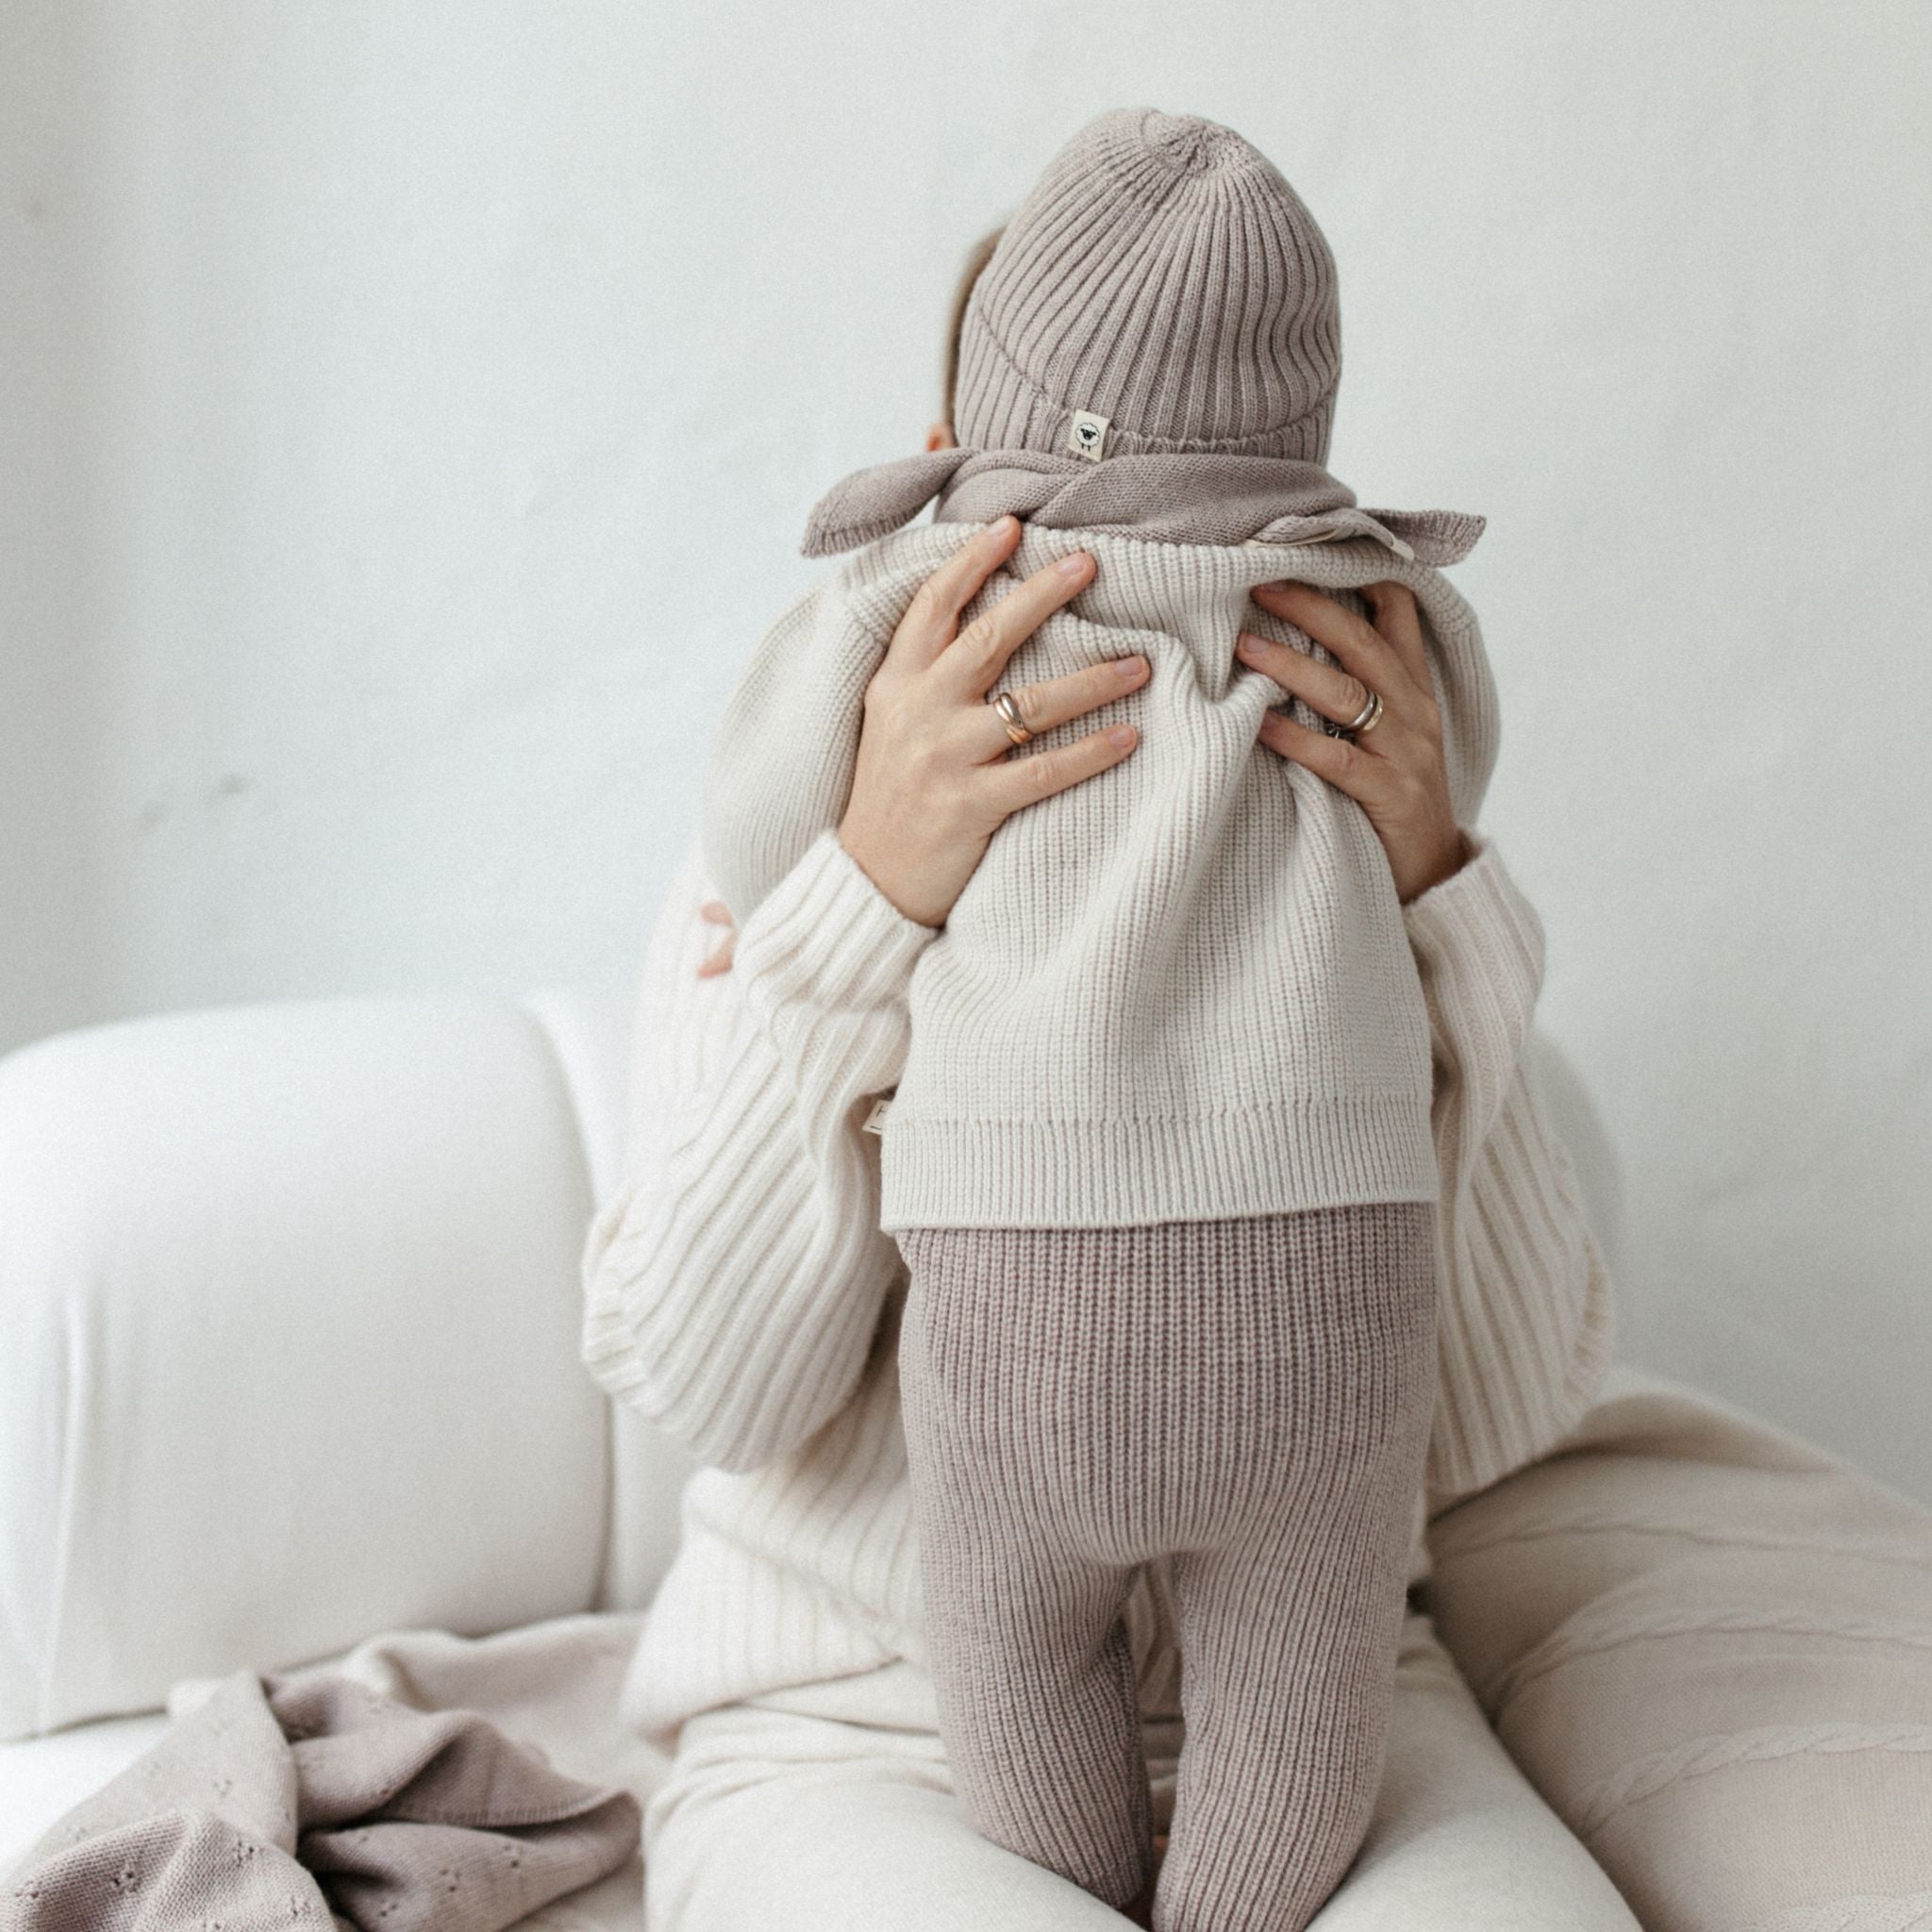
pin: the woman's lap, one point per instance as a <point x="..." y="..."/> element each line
<point x="1710" y="1645"/>
<point x="833" y="1806"/>
<point x="785" y="1812"/>
<point x="1460" y="1838"/>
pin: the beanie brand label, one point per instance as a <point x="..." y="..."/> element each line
<point x="1086" y="435"/>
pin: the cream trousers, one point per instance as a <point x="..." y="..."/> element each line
<point x="831" y="1807"/>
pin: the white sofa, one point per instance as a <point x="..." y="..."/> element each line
<point x="289" y="1307"/>
<point x="289" y="1302"/>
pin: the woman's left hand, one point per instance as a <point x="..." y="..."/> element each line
<point x="1395" y="770"/>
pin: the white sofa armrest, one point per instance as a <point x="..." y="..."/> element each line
<point x="288" y="1307"/>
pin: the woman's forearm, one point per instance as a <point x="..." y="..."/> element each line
<point x="734" y="1282"/>
<point x="1527" y="1318"/>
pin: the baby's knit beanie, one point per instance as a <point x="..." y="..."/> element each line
<point x="1163" y="289"/>
<point x="1154" y="346"/>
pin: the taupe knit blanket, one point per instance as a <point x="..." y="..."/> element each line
<point x="320" y="1803"/>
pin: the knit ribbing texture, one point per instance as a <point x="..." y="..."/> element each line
<point x="1154" y="343"/>
<point x="1161" y="273"/>
<point x="1247" y="1399"/>
<point x="739" y="1295"/>
<point x="1180" y="988"/>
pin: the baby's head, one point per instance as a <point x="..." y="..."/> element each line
<point x="1161" y="289"/>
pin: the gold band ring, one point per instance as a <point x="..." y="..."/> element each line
<point x="1366" y="719"/>
<point x="1003" y="702"/>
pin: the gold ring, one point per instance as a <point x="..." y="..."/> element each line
<point x="1365" y="719"/>
<point x="1002" y="702"/>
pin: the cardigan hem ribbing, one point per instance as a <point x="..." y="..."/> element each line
<point x="1314" y="1152"/>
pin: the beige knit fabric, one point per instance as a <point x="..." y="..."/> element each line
<point x="315" y="1802"/>
<point x="1248" y="1401"/>
<point x="1192" y="498"/>
<point x="1710" y="1643"/>
<point x="739" y="1289"/>
<point x="1181" y="990"/>
<point x="1163" y="275"/>
<point x="1155" y="345"/>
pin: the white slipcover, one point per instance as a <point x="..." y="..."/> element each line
<point x="289" y="1304"/>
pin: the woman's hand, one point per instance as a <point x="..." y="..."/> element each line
<point x="933" y="782"/>
<point x="1395" y="771"/>
<point x="718" y="913"/>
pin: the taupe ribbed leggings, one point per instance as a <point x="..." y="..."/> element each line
<point x="1247" y="1398"/>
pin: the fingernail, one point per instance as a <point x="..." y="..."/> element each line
<point x="999" y="530"/>
<point x="1121" y="734"/>
<point x="1248" y="646"/>
<point x="1126" y="669"/>
<point x="1071" y="566"/>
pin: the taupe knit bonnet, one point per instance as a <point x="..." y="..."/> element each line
<point x="1154" y="348"/>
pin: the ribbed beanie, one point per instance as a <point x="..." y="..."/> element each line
<point x="1163" y="279"/>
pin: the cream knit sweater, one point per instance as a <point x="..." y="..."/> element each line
<point x="1179" y="990"/>
<point x="739" y="1289"/>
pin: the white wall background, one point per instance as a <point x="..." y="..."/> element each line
<point x="409" y="411"/>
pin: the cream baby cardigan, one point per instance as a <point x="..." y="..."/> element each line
<point x="740" y="1291"/>
<point x="1180" y="990"/>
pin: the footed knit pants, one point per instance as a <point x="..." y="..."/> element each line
<point x="1249" y="1399"/>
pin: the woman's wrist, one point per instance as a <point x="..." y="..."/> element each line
<point x="1477" y="941"/>
<point x="825" y="933"/>
<point x="1475" y="897"/>
<point x="857" y="847"/>
<point x="1458" y="856"/>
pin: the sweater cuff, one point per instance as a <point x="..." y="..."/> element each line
<point x="1476" y="920"/>
<point x="826" y="932"/>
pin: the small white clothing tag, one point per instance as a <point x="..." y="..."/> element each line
<point x="875" y="1121"/>
<point x="1086" y="435"/>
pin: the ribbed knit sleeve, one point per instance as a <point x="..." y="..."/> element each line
<point x="1526" y="1315"/>
<point x="734" y="1281"/>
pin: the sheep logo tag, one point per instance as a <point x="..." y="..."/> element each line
<point x="1087" y="436"/>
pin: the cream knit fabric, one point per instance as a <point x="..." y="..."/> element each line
<point x="1179" y="990"/>
<point x="740" y="1291"/>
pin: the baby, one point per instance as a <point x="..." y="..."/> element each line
<point x="1160" y="1162"/>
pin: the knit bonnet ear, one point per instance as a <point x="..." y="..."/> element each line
<point x="870" y="504"/>
<point x="1435" y="536"/>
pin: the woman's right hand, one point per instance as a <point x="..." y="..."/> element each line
<point x="933" y="782"/>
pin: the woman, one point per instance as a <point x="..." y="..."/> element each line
<point x="741" y="1293"/>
